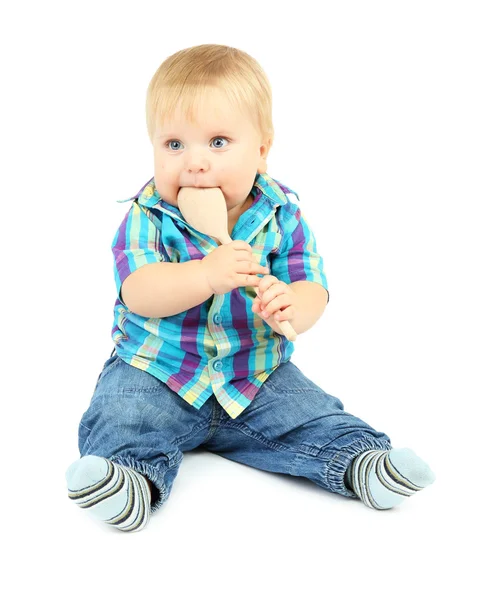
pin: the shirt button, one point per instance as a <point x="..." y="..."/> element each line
<point x="218" y="319"/>
<point x="218" y="365"/>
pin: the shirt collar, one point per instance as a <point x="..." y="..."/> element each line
<point x="270" y="188"/>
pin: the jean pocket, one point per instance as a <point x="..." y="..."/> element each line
<point x="110" y="364"/>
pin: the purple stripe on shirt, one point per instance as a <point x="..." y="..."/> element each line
<point x="192" y="323"/>
<point x="240" y="324"/>
<point x="295" y="260"/>
<point x="123" y="268"/>
<point x="119" y="247"/>
<point x="247" y="389"/>
<point x="192" y="326"/>
<point x="173" y="384"/>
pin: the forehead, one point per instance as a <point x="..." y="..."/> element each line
<point x="209" y="111"/>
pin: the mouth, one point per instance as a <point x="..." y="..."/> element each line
<point x="195" y="185"/>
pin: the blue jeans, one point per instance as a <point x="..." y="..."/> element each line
<point x="292" y="426"/>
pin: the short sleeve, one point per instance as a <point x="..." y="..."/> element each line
<point x="298" y="258"/>
<point x="136" y="243"/>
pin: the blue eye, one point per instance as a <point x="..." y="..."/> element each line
<point x="172" y="142"/>
<point x="180" y="143"/>
<point x="220" y="138"/>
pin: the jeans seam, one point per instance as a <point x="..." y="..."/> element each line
<point x="292" y="391"/>
<point x="185" y="438"/>
<point x="244" y="429"/>
<point x="215" y="420"/>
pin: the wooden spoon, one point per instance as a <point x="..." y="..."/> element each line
<point x="205" y="209"/>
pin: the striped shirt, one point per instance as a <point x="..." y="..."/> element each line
<point x="219" y="347"/>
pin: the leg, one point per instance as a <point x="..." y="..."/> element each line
<point x="294" y="427"/>
<point x="132" y="438"/>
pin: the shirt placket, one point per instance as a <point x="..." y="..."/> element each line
<point x="218" y="365"/>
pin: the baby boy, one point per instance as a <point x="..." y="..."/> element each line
<point x="199" y="359"/>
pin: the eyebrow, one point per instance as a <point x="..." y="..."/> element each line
<point x="223" y="132"/>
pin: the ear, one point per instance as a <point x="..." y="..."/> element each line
<point x="264" y="151"/>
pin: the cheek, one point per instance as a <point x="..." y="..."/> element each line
<point x="166" y="188"/>
<point x="159" y="159"/>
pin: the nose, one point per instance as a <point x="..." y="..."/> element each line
<point x="196" y="163"/>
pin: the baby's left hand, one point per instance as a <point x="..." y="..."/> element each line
<point x="275" y="301"/>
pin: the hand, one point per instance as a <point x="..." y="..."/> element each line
<point x="230" y="266"/>
<point x="275" y="301"/>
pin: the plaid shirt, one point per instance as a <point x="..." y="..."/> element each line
<point x="219" y="347"/>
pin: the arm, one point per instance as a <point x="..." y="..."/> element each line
<point x="152" y="286"/>
<point x="297" y="289"/>
<point x="309" y="303"/>
<point x="162" y="289"/>
<point x="300" y="302"/>
<point x="147" y="282"/>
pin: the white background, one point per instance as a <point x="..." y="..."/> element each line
<point x="386" y="119"/>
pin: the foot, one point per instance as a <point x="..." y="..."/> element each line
<point x="110" y="492"/>
<point x="383" y="479"/>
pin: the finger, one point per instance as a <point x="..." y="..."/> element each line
<point x="256" y="307"/>
<point x="241" y="245"/>
<point x="251" y="267"/>
<point x="247" y="257"/>
<point x="267" y="297"/>
<point x="247" y="280"/>
<point x="277" y="289"/>
<point x="278" y="303"/>
<point x="244" y="254"/>
<point x="287" y="314"/>
<point x="258" y="310"/>
<point x="266" y="282"/>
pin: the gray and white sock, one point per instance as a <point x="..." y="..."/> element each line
<point x="112" y="493"/>
<point x="384" y="478"/>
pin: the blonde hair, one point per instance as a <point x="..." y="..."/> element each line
<point x="185" y="76"/>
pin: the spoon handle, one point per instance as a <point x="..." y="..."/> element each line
<point x="287" y="330"/>
<point x="225" y="239"/>
<point x="285" y="326"/>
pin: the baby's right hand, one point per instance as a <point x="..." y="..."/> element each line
<point x="230" y="266"/>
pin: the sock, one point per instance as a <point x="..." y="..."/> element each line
<point x="110" y="492"/>
<point x="383" y="479"/>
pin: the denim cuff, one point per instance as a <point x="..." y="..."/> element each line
<point x="154" y="474"/>
<point x="338" y="465"/>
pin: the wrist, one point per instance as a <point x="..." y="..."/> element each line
<point x="203" y="273"/>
